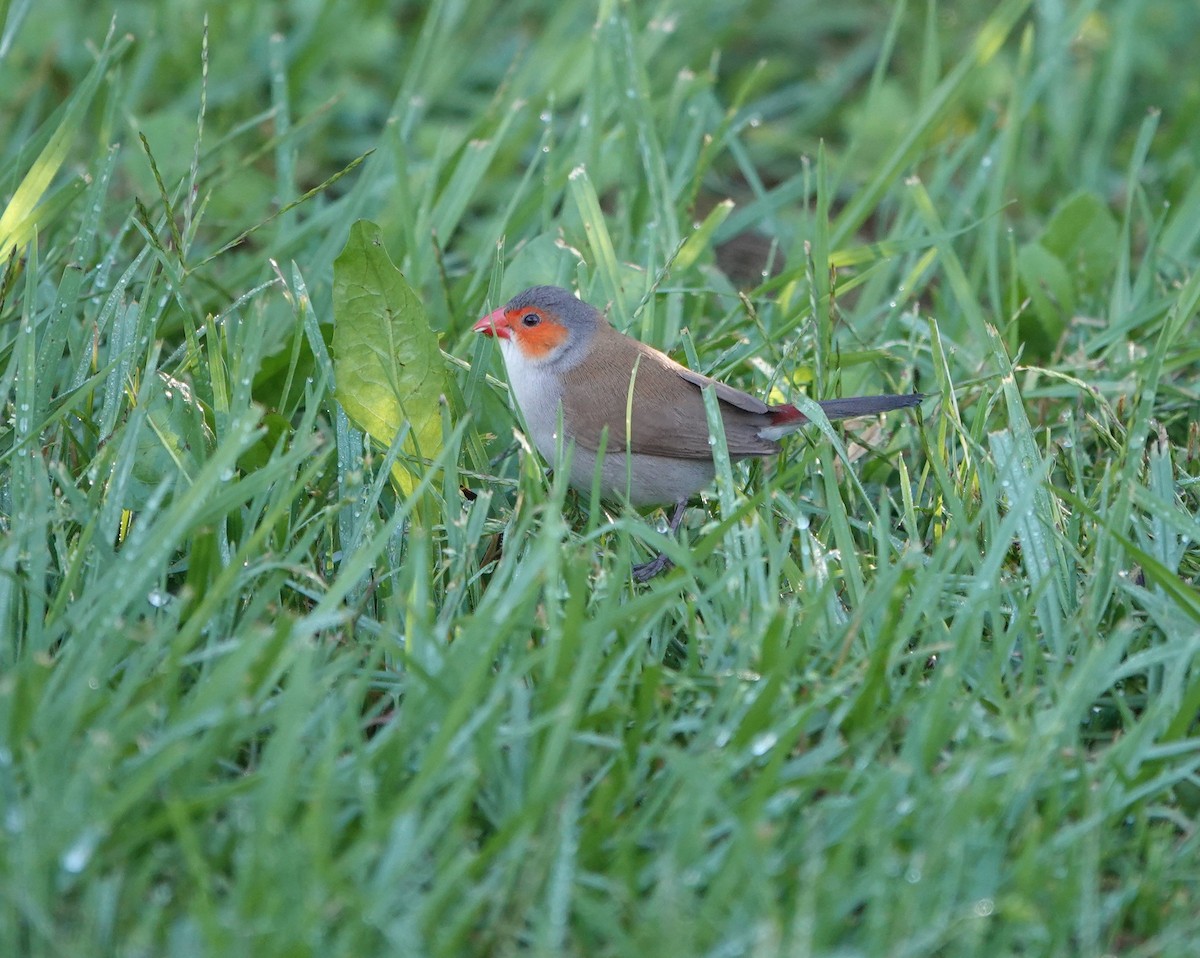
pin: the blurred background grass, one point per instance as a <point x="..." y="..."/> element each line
<point x="926" y="687"/>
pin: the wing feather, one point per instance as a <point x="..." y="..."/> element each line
<point x="668" y="418"/>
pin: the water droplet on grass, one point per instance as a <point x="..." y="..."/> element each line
<point x="75" y="858"/>
<point x="763" y="743"/>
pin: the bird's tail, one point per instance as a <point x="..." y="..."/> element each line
<point x="867" y="405"/>
<point x="787" y="418"/>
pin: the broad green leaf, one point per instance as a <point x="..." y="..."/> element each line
<point x="1047" y="283"/>
<point x="1083" y="235"/>
<point x="386" y="362"/>
<point x="1073" y="258"/>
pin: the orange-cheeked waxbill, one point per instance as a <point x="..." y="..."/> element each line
<point x="563" y="354"/>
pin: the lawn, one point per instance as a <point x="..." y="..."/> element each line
<point x="928" y="684"/>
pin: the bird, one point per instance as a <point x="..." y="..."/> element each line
<point x="567" y="364"/>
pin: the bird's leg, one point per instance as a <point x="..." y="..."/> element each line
<point x="644" y="571"/>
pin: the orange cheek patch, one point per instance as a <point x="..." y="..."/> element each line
<point x="539" y="341"/>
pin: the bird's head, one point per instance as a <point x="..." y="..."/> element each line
<point x="542" y="325"/>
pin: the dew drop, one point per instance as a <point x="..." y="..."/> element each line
<point x="75" y="858"/>
<point x="158" y="598"/>
<point x="763" y="743"/>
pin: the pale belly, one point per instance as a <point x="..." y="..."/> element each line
<point x="640" y="479"/>
<point x="636" y="478"/>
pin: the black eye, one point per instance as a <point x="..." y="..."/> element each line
<point x="530" y="319"/>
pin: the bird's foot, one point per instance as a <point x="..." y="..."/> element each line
<point x="645" y="571"/>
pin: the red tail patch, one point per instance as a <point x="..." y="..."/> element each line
<point x="786" y="413"/>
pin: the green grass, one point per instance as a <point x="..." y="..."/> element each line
<point x="925" y="686"/>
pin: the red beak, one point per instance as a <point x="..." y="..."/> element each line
<point x="494" y="324"/>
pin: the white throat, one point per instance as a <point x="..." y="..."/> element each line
<point x="537" y="389"/>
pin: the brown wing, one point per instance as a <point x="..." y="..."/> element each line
<point x="667" y="417"/>
<point x="727" y="394"/>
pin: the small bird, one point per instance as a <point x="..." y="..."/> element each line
<point x="566" y="363"/>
